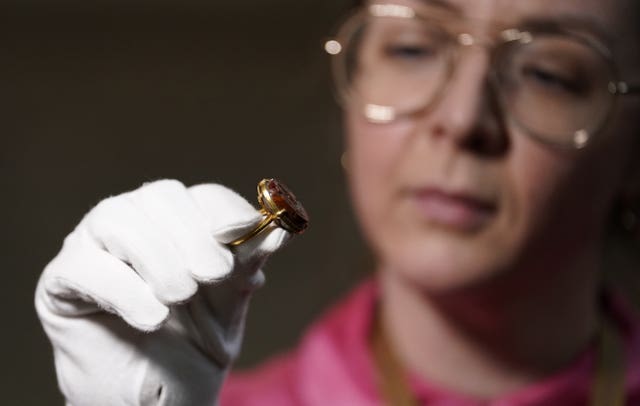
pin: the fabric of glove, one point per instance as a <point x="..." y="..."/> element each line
<point x="145" y="304"/>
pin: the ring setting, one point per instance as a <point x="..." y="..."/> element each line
<point x="280" y="206"/>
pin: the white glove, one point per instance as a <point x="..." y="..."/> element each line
<point x="140" y="257"/>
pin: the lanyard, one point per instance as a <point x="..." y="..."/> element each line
<point x="607" y="389"/>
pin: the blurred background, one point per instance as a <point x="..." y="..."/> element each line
<point x="101" y="96"/>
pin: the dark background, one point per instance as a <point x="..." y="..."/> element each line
<point x="98" y="97"/>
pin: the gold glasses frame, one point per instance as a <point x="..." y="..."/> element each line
<point x="616" y="86"/>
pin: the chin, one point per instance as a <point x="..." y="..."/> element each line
<point x="445" y="264"/>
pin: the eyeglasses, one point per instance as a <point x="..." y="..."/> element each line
<point x="559" y="86"/>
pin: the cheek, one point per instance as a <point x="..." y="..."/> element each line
<point x="374" y="152"/>
<point x="557" y="200"/>
<point x="573" y="191"/>
<point x="534" y="182"/>
<point x="533" y="174"/>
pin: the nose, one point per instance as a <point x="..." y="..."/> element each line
<point x="469" y="112"/>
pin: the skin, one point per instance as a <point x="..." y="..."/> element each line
<point x="493" y="293"/>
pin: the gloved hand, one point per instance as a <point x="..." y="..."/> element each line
<point x="145" y="304"/>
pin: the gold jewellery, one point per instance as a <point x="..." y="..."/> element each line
<point x="280" y="206"/>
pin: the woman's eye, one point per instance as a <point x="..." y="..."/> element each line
<point x="556" y="81"/>
<point x="410" y="52"/>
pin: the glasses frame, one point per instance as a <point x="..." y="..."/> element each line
<point x="617" y="86"/>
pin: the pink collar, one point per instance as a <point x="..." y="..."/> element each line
<point x="333" y="366"/>
<point x="343" y="334"/>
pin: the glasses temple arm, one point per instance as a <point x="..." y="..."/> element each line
<point x="625" y="88"/>
<point x="634" y="89"/>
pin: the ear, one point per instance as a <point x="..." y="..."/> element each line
<point x="345" y="161"/>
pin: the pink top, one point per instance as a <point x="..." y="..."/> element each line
<point x="333" y="366"/>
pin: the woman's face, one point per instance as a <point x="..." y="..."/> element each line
<point x="456" y="196"/>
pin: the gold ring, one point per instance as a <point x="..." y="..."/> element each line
<point x="280" y="206"/>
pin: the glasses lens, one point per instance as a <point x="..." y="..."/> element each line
<point x="557" y="87"/>
<point x="394" y="63"/>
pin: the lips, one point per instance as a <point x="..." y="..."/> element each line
<point x="458" y="211"/>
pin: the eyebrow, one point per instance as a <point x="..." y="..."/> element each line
<point x="568" y="23"/>
<point x="560" y="23"/>
<point x="444" y="4"/>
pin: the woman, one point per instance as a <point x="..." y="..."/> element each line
<point x="491" y="156"/>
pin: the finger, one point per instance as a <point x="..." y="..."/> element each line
<point x="172" y="209"/>
<point x="230" y="217"/>
<point x="84" y="271"/>
<point x="127" y="233"/>
<point x="264" y="244"/>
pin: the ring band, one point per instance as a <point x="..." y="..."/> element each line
<point x="278" y="204"/>
<point x="268" y="219"/>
